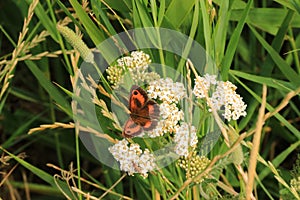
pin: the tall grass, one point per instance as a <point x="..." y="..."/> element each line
<point x="254" y="44"/>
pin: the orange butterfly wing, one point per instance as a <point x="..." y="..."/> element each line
<point x="144" y="113"/>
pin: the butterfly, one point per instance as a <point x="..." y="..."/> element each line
<point x="144" y="113"/>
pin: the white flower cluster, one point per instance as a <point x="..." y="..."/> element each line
<point x="170" y="116"/>
<point x="137" y="60"/>
<point x="203" y="84"/>
<point x="184" y="138"/>
<point x="223" y="95"/>
<point x="295" y="183"/>
<point x="170" y="94"/>
<point x="137" y="67"/>
<point x="132" y="159"/>
<point x="166" y="90"/>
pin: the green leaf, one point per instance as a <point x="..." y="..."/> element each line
<point x="45" y="20"/>
<point x="270" y="108"/>
<point x="233" y="43"/>
<point x="270" y="82"/>
<point x="267" y="19"/>
<point x="123" y="6"/>
<point x="40" y="173"/>
<point x="283" y="66"/>
<point x="292" y="4"/>
<point x="177" y="12"/>
<point x="48" y="86"/>
<point x="277" y="43"/>
<point x="21" y="130"/>
<point x="143" y="14"/>
<point x="279" y="159"/>
<point x="220" y="31"/>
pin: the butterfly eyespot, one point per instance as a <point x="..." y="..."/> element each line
<point x="135" y="92"/>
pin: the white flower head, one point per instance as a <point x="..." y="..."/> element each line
<point x="184" y="138"/>
<point x="135" y="66"/>
<point x="170" y="94"/>
<point x="203" y="84"/>
<point x="132" y="159"/>
<point x="223" y="96"/>
<point x="171" y="115"/>
<point x="166" y="90"/>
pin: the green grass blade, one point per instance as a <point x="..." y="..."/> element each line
<point x="233" y="43"/>
<point x="206" y="28"/>
<point x="280" y="118"/>
<point x="45" y="20"/>
<point x="292" y="4"/>
<point x="270" y="82"/>
<point x="220" y="33"/>
<point x="21" y="130"/>
<point x="277" y="43"/>
<point x="48" y="86"/>
<point x="143" y="14"/>
<point x="172" y="14"/>
<point x="123" y="6"/>
<point x="279" y="159"/>
<point x="283" y="66"/>
<point x="40" y="173"/>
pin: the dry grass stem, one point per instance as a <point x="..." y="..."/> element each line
<point x="116" y="16"/>
<point x="6" y="175"/>
<point x="110" y="96"/>
<point x="282" y="181"/>
<point x="51" y="126"/>
<point x="227" y="188"/>
<point x="21" y="48"/>
<point x="26" y="186"/>
<point x="283" y="103"/>
<point x="256" y="143"/>
<point x="214" y="112"/>
<point x="86" y="195"/>
<point x="210" y="166"/>
<point x="113" y="186"/>
<point x="43" y="127"/>
<point x="88" y="182"/>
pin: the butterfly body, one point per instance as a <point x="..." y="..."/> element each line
<point x="144" y="113"/>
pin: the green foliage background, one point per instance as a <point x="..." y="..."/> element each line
<point x="252" y="42"/>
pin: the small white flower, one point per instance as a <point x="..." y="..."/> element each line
<point x="166" y="90"/>
<point x="126" y="62"/>
<point x="171" y="115"/>
<point x="233" y="103"/>
<point x="223" y="96"/>
<point x="135" y="66"/>
<point x="184" y="138"/>
<point x="140" y="58"/>
<point x="203" y="84"/>
<point x="132" y="159"/>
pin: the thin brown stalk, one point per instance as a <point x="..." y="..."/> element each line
<point x="117" y="17"/>
<point x="210" y="166"/>
<point x="7" y="175"/>
<point x="214" y="112"/>
<point x="256" y="143"/>
<point x="86" y="195"/>
<point x="26" y="187"/>
<point x="228" y="188"/>
<point x="12" y="192"/>
<point x="89" y="182"/>
<point x="19" y="50"/>
<point x="283" y="103"/>
<point x="113" y="186"/>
